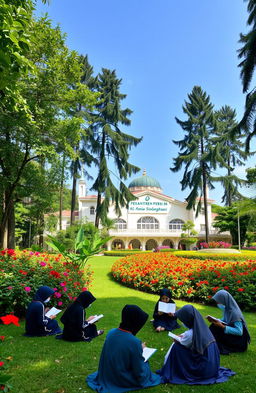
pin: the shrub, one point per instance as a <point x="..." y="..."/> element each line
<point x="216" y="257"/>
<point x="215" y="245"/>
<point x="192" y="280"/>
<point x="123" y="253"/>
<point x="22" y="272"/>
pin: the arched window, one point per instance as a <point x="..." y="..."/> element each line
<point x="176" y="225"/>
<point x="121" y="224"/>
<point x="92" y="210"/>
<point x="148" y="223"/>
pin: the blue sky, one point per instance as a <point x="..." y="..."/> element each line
<point x="160" y="49"/>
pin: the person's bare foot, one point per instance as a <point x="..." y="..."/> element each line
<point x="159" y="329"/>
<point x="100" y="332"/>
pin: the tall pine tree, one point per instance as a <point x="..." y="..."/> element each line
<point x="196" y="151"/>
<point x="232" y="151"/>
<point x="111" y="146"/>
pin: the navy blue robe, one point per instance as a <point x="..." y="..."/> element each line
<point x="122" y="367"/>
<point x="37" y="324"/>
<point x="184" y="366"/>
<point x="164" y="320"/>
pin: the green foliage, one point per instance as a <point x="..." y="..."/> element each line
<point x="21" y="273"/>
<point x="189" y="236"/>
<point x="227" y="220"/>
<point x="231" y="150"/>
<point x="84" y="248"/>
<point x="110" y="144"/>
<point x="123" y="253"/>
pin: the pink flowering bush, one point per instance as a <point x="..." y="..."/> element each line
<point x="215" y="245"/>
<point x="23" y="272"/>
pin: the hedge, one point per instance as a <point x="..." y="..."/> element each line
<point x="216" y="257"/>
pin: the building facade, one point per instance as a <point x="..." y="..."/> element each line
<point x="152" y="220"/>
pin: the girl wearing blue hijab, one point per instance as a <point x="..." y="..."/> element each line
<point x="232" y="335"/>
<point x="122" y="367"/>
<point x="195" y="360"/>
<point x="37" y="324"/>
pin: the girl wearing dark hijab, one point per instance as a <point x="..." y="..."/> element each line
<point x="37" y="324"/>
<point x="122" y="367"/>
<point x="163" y="321"/>
<point x="76" y="327"/>
<point x="233" y="335"/>
<point x="195" y="360"/>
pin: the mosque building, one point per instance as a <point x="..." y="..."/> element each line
<point x="152" y="220"/>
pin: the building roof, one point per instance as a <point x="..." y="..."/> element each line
<point x="144" y="181"/>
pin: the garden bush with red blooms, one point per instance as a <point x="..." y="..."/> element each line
<point x="189" y="279"/>
<point x="23" y="272"/>
<point x="215" y="245"/>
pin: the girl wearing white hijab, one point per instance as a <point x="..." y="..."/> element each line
<point x="232" y="335"/>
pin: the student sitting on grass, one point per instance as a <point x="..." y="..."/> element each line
<point x="122" y="367"/>
<point x="37" y="324"/>
<point x="194" y="359"/>
<point x="76" y="326"/>
<point x="163" y="321"/>
<point x="233" y="336"/>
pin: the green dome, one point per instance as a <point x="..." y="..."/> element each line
<point x="144" y="181"/>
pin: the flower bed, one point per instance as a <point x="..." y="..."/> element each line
<point x="244" y="255"/>
<point x="22" y="272"/>
<point x="193" y="280"/>
<point x="215" y="245"/>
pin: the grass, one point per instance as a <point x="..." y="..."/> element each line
<point x="47" y="365"/>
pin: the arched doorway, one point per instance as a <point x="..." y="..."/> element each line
<point x="135" y="244"/>
<point x="151" y="244"/>
<point x="168" y="242"/>
<point x="181" y="246"/>
<point x="117" y="244"/>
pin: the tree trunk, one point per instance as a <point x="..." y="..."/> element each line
<point x="11" y="226"/>
<point x="73" y="200"/>
<point x="204" y="176"/>
<point x="97" y="218"/>
<point x="61" y="191"/>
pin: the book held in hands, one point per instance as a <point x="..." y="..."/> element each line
<point x="167" y="307"/>
<point x="52" y="311"/>
<point x="213" y="319"/>
<point x="174" y="336"/>
<point x="148" y="352"/>
<point x="95" y="319"/>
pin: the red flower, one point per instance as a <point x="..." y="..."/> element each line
<point x="1" y="364"/>
<point x="240" y="289"/>
<point x="8" y="319"/>
<point x="2" y="338"/>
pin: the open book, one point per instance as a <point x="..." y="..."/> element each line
<point x="177" y="338"/>
<point x="167" y="307"/>
<point x="96" y="318"/>
<point x="148" y="352"/>
<point x="213" y="319"/>
<point x="52" y="311"/>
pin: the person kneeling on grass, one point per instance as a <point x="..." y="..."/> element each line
<point x="232" y="335"/>
<point x="163" y="321"/>
<point x="37" y="323"/>
<point x="194" y="359"/>
<point x="122" y="367"/>
<point x="76" y="326"/>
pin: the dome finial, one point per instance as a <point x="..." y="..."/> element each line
<point x="144" y="173"/>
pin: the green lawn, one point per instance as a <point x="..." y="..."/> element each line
<point x="47" y="365"/>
